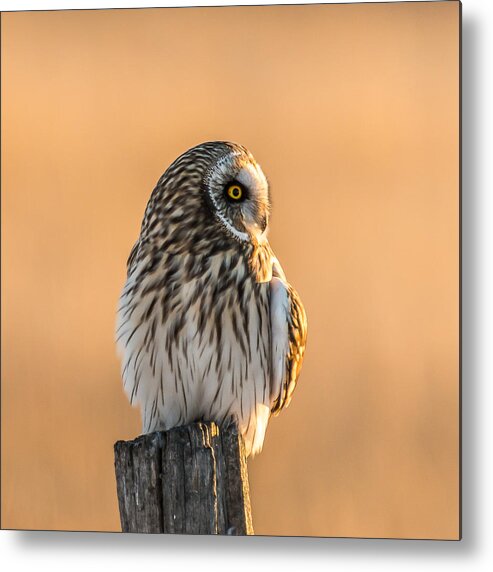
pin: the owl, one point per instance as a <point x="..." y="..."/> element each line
<point x="208" y="327"/>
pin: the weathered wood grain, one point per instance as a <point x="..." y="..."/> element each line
<point x="188" y="480"/>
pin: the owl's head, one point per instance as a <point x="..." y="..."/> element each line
<point x="237" y="192"/>
<point x="214" y="191"/>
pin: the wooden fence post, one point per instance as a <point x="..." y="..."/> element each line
<point x="188" y="480"/>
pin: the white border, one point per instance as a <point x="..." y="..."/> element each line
<point x="87" y="4"/>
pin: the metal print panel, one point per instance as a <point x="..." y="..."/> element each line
<point x="284" y="183"/>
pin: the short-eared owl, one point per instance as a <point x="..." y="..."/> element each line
<point x="208" y="327"/>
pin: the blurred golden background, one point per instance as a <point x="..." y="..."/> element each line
<point x="352" y="111"/>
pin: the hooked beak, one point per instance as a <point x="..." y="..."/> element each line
<point x="260" y="230"/>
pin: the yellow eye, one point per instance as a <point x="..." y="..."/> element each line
<point x="235" y="192"/>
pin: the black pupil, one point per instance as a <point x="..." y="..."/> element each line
<point x="235" y="192"/>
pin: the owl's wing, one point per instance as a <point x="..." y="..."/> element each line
<point x="288" y="327"/>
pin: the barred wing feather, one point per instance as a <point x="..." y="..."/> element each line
<point x="288" y="327"/>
